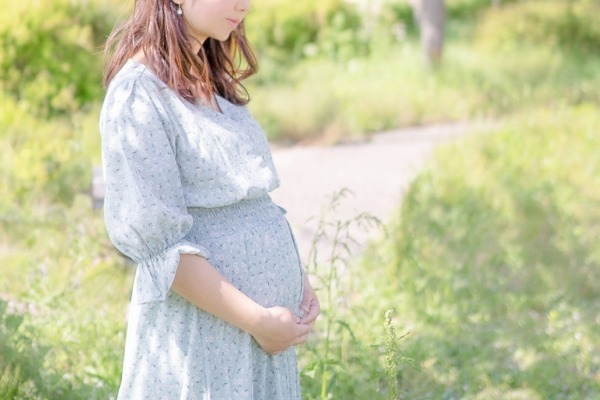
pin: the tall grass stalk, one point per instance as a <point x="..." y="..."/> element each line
<point x="337" y="236"/>
<point x="392" y="356"/>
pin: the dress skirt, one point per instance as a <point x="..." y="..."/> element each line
<point x="176" y="351"/>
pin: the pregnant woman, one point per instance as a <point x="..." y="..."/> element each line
<point x="220" y="297"/>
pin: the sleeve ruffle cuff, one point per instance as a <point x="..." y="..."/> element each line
<point x="154" y="276"/>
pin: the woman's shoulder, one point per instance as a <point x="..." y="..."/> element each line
<point x="134" y="94"/>
<point x="134" y="74"/>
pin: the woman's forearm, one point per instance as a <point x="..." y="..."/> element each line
<point x="200" y="283"/>
<point x="274" y="328"/>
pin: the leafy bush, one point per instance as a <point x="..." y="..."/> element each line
<point x="287" y="31"/>
<point x="569" y="24"/>
<point x="45" y="160"/>
<point x="50" y="53"/>
<point x="390" y="88"/>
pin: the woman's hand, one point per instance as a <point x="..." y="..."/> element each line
<point x="275" y="328"/>
<point x="279" y="329"/>
<point x="310" y="304"/>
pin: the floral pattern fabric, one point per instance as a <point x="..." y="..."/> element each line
<point x="185" y="179"/>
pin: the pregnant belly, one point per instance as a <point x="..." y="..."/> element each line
<point x="256" y="253"/>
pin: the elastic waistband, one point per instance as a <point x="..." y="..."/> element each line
<point x="248" y="211"/>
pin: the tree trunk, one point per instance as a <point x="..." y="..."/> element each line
<point x="431" y="16"/>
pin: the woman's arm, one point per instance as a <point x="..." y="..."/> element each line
<point x="274" y="328"/>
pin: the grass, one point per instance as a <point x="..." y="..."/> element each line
<point x="491" y="272"/>
<point x="63" y="300"/>
<point x="493" y="267"/>
<point x="498" y="251"/>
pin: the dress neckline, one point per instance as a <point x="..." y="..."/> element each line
<point x="221" y="101"/>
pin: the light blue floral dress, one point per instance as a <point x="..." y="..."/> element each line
<point x="185" y="179"/>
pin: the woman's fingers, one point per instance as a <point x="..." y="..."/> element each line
<point x="279" y="347"/>
<point x="309" y="304"/>
<point x="313" y="312"/>
<point x="281" y="329"/>
<point x="297" y="341"/>
<point x="300" y="340"/>
<point x="305" y="305"/>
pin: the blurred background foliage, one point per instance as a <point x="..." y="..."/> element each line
<point x="50" y="53"/>
<point x="494" y="262"/>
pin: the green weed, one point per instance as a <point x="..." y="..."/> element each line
<point x="335" y="352"/>
<point x="392" y="356"/>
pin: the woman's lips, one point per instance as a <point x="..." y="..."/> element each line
<point x="233" y="22"/>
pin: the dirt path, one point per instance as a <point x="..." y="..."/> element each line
<point x="377" y="172"/>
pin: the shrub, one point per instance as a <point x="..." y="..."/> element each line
<point x="50" y="55"/>
<point x="569" y="24"/>
<point x="42" y="160"/>
<point x="287" y="31"/>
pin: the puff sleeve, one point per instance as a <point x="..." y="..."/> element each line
<point x="145" y="211"/>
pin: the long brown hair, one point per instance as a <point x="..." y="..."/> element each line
<point x="157" y="30"/>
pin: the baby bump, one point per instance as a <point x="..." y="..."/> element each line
<point x="253" y="247"/>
